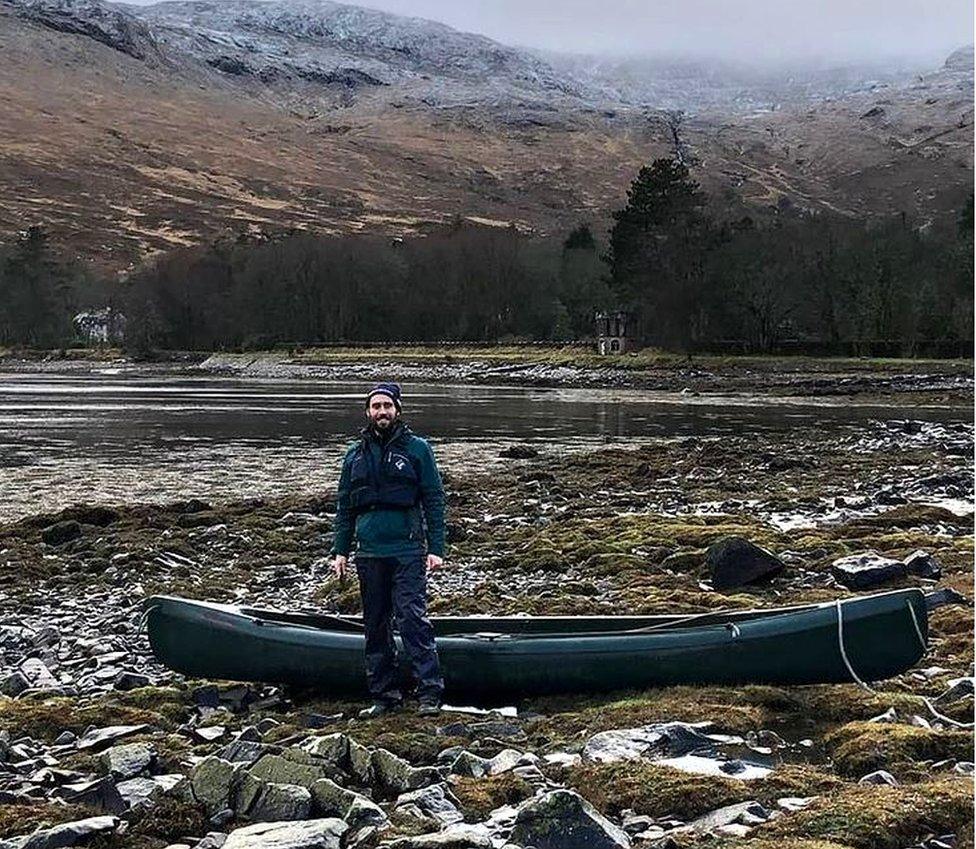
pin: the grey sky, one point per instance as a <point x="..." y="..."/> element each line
<point x="760" y="30"/>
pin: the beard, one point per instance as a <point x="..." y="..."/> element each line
<point x="383" y="421"/>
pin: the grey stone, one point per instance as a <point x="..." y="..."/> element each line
<point x="97" y="739"/>
<point x="504" y="761"/>
<point x="459" y="836"/>
<point x="396" y="775"/>
<point x="333" y="748"/>
<point x="245" y="751"/>
<point x="879" y="776"/>
<point x="331" y="799"/>
<point x="14" y="683"/>
<point x="660" y="739"/>
<point x="360" y="763"/>
<point x="213" y="781"/>
<point x="364" y="812"/>
<point x="130" y="680"/>
<point x="469" y="765"/>
<point x="245" y="792"/>
<point x="71" y="833"/>
<point x="729" y="815"/>
<point x="863" y="571"/>
<point x="140" y="792"/>
<point x="281" y="802"/>
<point x="290" y="767"/>
<point x="101" y="794"/>
<point x="61" y="532"/>
<point x="128" y="760"/>
<point x="436" y="801"/>
<point x="311" y="834"/>
<point x="734" y="562"/>
<point x="562" y="819"/>
<point x="959" y="688"/>
<point x="923" y="565"/>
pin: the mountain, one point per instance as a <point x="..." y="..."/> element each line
<point x="126" y="130"/>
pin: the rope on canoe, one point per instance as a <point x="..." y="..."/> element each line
<point x="921" y="638"/>
<point x="925" y="700"/>
<point x="843" y="649"/>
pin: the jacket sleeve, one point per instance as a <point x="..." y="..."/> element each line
<point x="432" y="498"/>
<point x="344" y="520"/>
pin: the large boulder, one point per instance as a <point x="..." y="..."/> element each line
<point x="395" y="775"/>
<point x="734" y="561"/>
<point x="97" y="739"/>
<point x="921" y="564"/>
<point x="864" y="571"/>
<point x="213" y="781"/>
<point x="70" y="833"/>
<point x="311" y="834"/>
<point x="61" y="532"/>
<point x="332" y="748"/>
<point x="281" y="802"/>
<point x="128" y="760"/>
<point x="436" y="802"/>
<point x="562" y="819"/>
<point x="292" y="766"/>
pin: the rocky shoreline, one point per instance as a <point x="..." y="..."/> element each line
<point x="99" y="745"/>
<point x="940" y="383"/>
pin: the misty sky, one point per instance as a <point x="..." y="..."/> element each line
<point x="761" y="30"/>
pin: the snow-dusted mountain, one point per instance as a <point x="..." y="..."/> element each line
<point x="128" y="129"/>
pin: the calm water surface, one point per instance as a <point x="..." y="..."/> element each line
<point x="124" y="437"/>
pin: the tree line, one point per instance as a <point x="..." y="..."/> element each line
<point x="691" y="281"/>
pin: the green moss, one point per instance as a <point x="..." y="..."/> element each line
<point x="480" y="796"/>
<point x="171" y="819"/>
<point x="867" y="817"/>
<point x="20" y="819"/>
<point x="861" y="747"/>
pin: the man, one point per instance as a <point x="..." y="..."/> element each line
<point x="391" y="500"/>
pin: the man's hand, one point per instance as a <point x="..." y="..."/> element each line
<point x="339" y="566"/>
<point x="434" y="562"/>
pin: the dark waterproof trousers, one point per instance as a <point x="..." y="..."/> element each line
<point x="397" y="587"/>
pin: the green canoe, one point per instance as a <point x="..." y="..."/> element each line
<point x="494" y="657"/>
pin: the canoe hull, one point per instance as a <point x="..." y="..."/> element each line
<point x="799" y="646"/>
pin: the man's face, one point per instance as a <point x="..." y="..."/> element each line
<point x="381" y="412"/>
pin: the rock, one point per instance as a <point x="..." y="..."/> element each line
<point x="333" y="748"/>
<point x="396" y="775"/>
<point x="518" y="452"/>
<point x="662" y="739"/>
<point x="130" y="681"/>
<point x="959" y="688"/>
<point x="128" y="760"/>
<point x="102" y="795"/>
<point x="364" y="812"/>
<point x="212" y="781"/>
<point x="863" y="571"/>
<point x="208" y="733"/>
<point x="282" y="802"/>
<point x="331" y="799"/>
<point x="70" y="833"/>
<point x="921" y="564"/>
<point x="435" y="801"/>
<point x="140" y="792"/>
<point x="458" y="836"/>
<point x="97" y="739"/>
<point x="728" y="815"/>
<point x="469" y="765"/>
<point x="245" y="751"/>
<point x="504" y="761"/>
<point x="792" y="804"/>
<point x="734" y="562"/>
<point x="562" y="819"/>
<point x="311" y="834"/>
<point x="61" y="532"/>
<point x="360" y="763"/>
<point x="14" y="683"/>
<point x="212" y="840"/>
<point x="245" y="792"/>
<point x="288" y="768"/>
<point x="879" y="777"/>
<point x="890" y="715"/>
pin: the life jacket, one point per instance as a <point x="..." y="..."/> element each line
<point x="392" y="482"/>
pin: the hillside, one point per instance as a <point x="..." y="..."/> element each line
<point x="128" y="130"/>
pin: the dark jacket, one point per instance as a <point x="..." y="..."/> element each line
<point x="391" y="499"/>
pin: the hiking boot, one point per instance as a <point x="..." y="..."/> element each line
<point x="378" y="709"/>
<point x="428" y="707"/>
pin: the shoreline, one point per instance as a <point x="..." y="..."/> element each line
<point x="909" y="382"/>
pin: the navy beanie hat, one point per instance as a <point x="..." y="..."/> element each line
<point x="390" y="389"/>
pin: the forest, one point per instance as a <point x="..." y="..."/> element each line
<point x="790" y="281"/>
